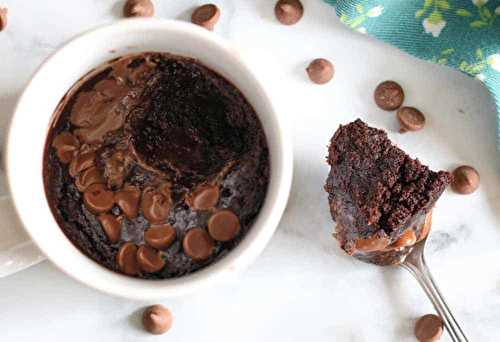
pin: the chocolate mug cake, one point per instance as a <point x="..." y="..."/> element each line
<point x="380" y="197"/>
<point x="155" y="166"/>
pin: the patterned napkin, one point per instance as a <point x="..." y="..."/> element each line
<point x="462" y="34"/>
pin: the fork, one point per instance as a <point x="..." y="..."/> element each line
<point x="416" y="265"/>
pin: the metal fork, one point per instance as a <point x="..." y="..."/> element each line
<point x="416" y="265"/>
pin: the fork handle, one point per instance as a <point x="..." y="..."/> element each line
<point x="419" y="269"/>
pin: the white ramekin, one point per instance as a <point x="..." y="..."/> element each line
<point x="33" y="115"/>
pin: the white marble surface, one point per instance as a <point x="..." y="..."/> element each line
<point x="302" y="287"/>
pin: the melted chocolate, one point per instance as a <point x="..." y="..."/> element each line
<point x="159" y="127"/>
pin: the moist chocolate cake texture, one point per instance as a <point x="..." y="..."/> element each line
<point x="380" y="198"/>
<point x="147" y="148"/>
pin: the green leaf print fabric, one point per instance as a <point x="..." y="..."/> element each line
<point x="462" y="34"/>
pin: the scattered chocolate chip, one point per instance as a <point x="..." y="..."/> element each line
<point x="138" y="8"/>
<point x="155" y="205"/>
<point x="224" y="225"/>
<point x="149" y="259"/>
<point x="206" y="16"/>
<point x="160" y="237"/>
<point x="389" y="95"/>
<point x="429" y="328"/>
<point x="288" y="12"/>
<point x="157" y="319"/>
<point x="112" y="226"/>
<point x="128" y="201"/>
<point x="371" y="244"/>
<point x="3" y="18"/>
<point x="81" y="162"/>
<point x="203" y="198"/>
<point x="465" y="180"/>
<point x="408" y="238"/>
<point x="410" y="119"/>
<point x="126" y="258"/>
<point x="320" y="71"/>
<point x="197" y="244"/>
<point x="88" y="177"/>
<point x="98" y="199"/>
<point x="66" y="146"/>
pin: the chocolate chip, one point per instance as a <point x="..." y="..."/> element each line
<point x="126" y="258"/>
<point x="160" y="237"/>
<point x="429" y="328"/>
<point x="87" y="111"/>
<point x="288" y="12"/>
<point x="465" y="180"/>
<point x="98" y="114"/>
<point x="320" y="71"/>
<point x="81" y="162"/>
<point x="408" y="238"/>
<point x="224" y="225"/>
<point x="389" y="95"/>
<point x="206" y="16"/>
<point x="128" y="201"/>
<point x="371" y="244"/>
<point x="410" y="119"/>
<point x="88" y="177"/>
<point x="157" y="319"/>
<point x="113" y="120"/>
<point x="197" y="244"/>
<point x="115" y="87"/>
<point x="98" y="199"/>
<point x="155" y="205"/>
<point x="138" y="8"/>
<point x="203" y="198"/>
<point x="164" y="189"/>
<point x="149" y="259"/>
<point x="66" y="146"/>
<point x="116" y="167"/>
<point x="112" y="226"/>
<point x="3" y="18"/>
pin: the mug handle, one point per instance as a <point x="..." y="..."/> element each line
<point x="17" y="250"/>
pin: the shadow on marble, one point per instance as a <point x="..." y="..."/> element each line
<point x="265" y="8"/>
<point x="301" y="72"/>
<point x="307" y="216"/>
<point x="117" y="9"/>
<point x="322" y="15"/>
<point x="7" y="105"/>
<point x="135" y="320"/>
<point x="186" y="14"/>
<point x="25" y="288"/>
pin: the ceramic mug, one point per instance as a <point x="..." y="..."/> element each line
<point x="34" y="114"/>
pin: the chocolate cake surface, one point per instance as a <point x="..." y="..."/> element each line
<point x="146" y="149"/>
<point x="380" y="198"/>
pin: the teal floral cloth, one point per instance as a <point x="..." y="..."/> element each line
<point x="462" y="34"/>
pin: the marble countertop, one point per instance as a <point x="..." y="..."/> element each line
<point x="302" y="287"/>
